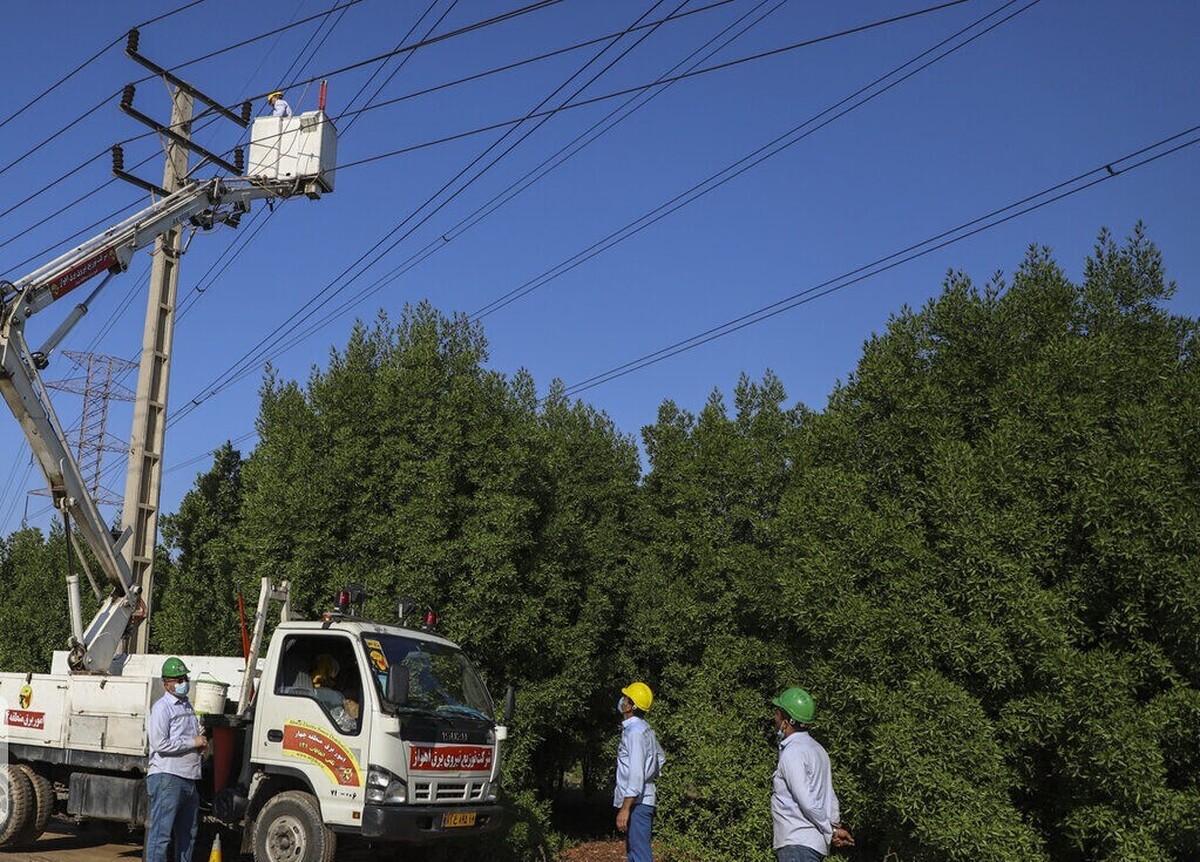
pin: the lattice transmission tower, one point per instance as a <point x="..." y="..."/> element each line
<point x="99" y="385"/>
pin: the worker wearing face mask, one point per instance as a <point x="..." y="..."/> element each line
<point x="804" y="808"/>
<point x="176" y="744"/>
<point x="639" y="762"/>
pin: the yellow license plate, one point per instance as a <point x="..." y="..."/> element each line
<point x="458" y="818"/>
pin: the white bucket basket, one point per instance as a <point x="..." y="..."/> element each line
<point x="210" y="696"/>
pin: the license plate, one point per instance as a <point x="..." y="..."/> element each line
<point x="458" y="818"/>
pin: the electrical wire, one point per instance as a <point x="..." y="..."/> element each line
<point x="428" y="9"/>
<point x="550" y="54"/>
<point x="793" y="136"/>
<point x="246" y="369"/>
<point x="247" y="362"/>
<point x="641" y="87"/>
<point x="238" y="247"/>
<point x="89" y="61"/>
<point x="1109" y="170"/>
<point x="548" y="165"/>
<point x="145" y="78"/>
<point x="379" y="58"/>
<point x="461" y="31"/>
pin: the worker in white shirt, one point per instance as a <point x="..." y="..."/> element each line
<point x="279" y="107"/>
<point x="804" y="808"/>
<point x="177" y="744"/>
<point x="639" y="762"/>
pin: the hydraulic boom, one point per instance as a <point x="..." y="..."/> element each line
<point x="203" y="204"/>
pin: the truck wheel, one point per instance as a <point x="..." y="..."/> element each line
<point x="17" y="805"/>
<point x="43" y="805"/>
<point x="289" y="829"/>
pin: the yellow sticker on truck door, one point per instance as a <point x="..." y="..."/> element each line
<point x="311" y="743"/>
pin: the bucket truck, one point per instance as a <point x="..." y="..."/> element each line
<point x="406" y="746"/>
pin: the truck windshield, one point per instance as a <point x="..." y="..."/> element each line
<point x="440" y="678"/>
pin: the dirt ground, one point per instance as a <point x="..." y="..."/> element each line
<point x="65" y="842"/>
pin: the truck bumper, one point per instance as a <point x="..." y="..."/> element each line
<point x="423" y="823"/>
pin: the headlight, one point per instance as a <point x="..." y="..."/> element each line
<point x="384" y="788"/>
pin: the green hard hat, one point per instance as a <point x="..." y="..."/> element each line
<point x="797" y="703"/>
<point x="174" y="668"/>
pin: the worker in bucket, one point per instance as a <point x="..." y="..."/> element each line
<point x="279" y="107"/>
<point x="804" y="808"/>
<point x="176" y="744"/>
<point x="639" y="763"/>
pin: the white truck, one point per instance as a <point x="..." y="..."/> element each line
<point x="403" y="745"/>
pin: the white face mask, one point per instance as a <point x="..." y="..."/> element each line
<point x="182" y="689"/>
<point x="621" y="705"/>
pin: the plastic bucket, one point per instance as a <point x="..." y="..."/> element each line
<point x="210" y="696"/>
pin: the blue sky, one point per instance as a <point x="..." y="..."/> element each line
<point x="1060" y="89"/>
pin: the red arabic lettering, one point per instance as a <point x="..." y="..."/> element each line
<point x="81" y="272"/>
<point x="461" y="758"/>
<point x="24" y="718"/>
<point x="316" y="746"/>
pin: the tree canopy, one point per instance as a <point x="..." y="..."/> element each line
<point x="981" y="558"/>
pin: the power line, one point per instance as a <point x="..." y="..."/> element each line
<point x="250" y="359"/>
<point x="247" y="361"/>
<point x="381" y="58"/>
<point x="404" y="61"/>
<point x="142" y="80"/>
<point x="587" y="137"/>
<point x="587" y="43"/>
<point x="1081" y="182"/>
<point x="461" y="31"/>
<point x="526" y="288"/>
<point x="88" y="62"/>
<point x="772" y="148"/>
<point x="639" y="88"/>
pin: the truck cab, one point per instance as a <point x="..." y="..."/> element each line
<point x="390" y="729"/>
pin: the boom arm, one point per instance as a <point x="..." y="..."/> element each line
<point x="204" y="204"/>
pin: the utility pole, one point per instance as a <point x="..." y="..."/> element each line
<point x="143" y="482"/>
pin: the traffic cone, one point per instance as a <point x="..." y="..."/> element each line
<point x="214" y="855"/>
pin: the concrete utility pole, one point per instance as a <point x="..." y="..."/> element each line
<point x="143" y="483"/>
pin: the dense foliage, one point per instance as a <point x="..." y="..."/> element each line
<point x="981" y="557"/>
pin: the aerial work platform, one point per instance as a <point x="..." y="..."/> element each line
<point x="303" y="146"/>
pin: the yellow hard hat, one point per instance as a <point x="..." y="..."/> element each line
<point x="640" y="694"/>
<point x="277" y="94"/>
<point x="325" y="671"/>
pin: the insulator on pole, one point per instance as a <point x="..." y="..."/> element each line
<point x="321" y="95"/>
<point x="127" y="95"/>
<point x="246" y="109"/>
<point x="131" y="44"/>
<point x="239" y="160"/>
<point x="118" y="157"/>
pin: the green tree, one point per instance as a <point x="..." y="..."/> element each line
<point x="197" y="594"/>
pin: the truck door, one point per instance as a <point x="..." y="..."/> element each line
<point x="313" y="722"/>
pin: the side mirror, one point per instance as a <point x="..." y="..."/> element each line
<point x="510" y="704"/>
<point x="395" y="690"/>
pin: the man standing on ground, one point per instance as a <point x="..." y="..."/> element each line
<point x="804" y="808"/>
<point x="176" y="742"/>
<point x="639" y="762"/>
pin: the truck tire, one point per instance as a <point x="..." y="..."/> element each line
<point x="17" y="805"/>
<point x="289" y="829"/>
<point x="43" y="806"/>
